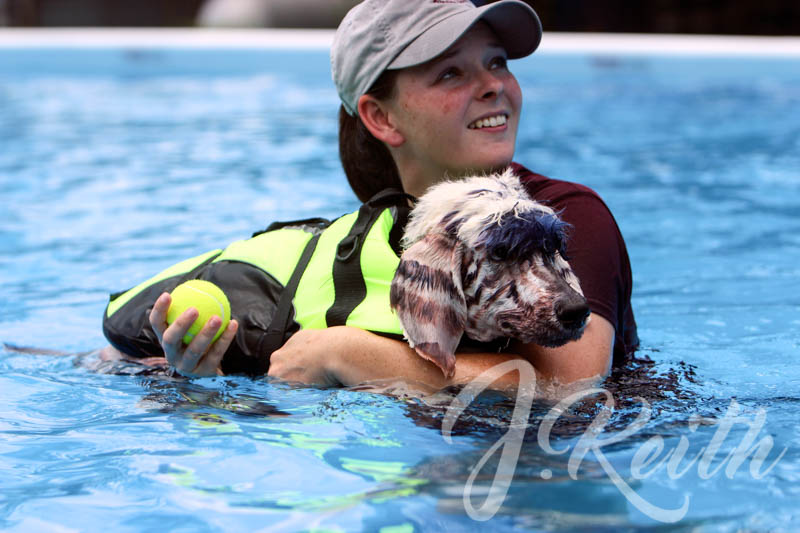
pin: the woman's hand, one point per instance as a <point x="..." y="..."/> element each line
<point x="306" y="357"/>
<point x="201" y="357"/>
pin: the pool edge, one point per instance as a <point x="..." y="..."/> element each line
<point x="553" y="42"/>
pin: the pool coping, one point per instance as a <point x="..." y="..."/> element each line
<point x="553" y="42"/>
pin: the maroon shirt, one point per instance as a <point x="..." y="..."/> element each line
<point x="596" y="251"/>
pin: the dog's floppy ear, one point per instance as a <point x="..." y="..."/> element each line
<point x="429" y="300"/>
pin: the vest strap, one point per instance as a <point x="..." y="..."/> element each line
<point x="349" y="286"/>
<point x="274" y="337"/>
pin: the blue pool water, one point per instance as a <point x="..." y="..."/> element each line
<point x="117" y="163"/>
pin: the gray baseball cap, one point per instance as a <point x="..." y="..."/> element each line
<point x="378" y="35"/>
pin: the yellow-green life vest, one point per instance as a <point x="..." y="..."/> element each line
<point x="343" y="279"/>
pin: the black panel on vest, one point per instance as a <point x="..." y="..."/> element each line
<point x="348" y="280"/>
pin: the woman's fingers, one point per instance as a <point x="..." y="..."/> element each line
<point x="158" y="315"/>
<point x="211" y="364"/>
<point x="172" y="338"/>
<point x="203" y="356"/>
<point x="174" y="334"/>
<point x="199" y="346"/>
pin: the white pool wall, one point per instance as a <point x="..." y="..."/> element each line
<point x="553" y="42"/>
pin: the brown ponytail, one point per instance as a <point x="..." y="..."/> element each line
<point x="367" y="162"/>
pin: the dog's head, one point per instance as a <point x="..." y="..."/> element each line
<point x="481" y="257"/>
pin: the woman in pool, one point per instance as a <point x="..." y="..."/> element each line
<point x="427" y="94"/>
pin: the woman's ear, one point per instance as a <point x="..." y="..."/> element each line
<point x="377" y="118"/>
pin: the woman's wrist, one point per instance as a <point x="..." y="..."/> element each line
<point x="332" y="358"/>
<point x="348" y="353"/>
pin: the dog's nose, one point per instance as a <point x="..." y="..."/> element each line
<point x="572" y="312"/>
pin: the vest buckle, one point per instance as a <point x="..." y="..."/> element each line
<point x="346" y="248"/>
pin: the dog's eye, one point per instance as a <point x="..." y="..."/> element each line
<point x="498" y="253"/>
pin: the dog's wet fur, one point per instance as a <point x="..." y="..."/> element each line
<point x="482" y="257"/>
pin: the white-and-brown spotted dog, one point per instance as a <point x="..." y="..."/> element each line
<point x="483" y="258"/>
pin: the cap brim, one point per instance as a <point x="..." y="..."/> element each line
<point x="515" y="24"/>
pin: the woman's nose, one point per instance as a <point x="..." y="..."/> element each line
<point x="490" y="86"/>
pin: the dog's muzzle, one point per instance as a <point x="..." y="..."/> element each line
<point x="572" y="311"/>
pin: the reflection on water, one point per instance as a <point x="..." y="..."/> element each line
<point x="281" y="448"/>
<point x="109" y="176"/>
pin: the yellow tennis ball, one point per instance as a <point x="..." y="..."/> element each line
<point x="204" y="296"/>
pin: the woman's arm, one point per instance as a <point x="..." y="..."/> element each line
<point x="348" y="356"/>
<point x="588" y="357"/>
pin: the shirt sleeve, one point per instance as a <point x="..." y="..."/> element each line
<point x="595" y="253"/>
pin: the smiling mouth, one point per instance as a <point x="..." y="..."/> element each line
<point x="489" y="122"/>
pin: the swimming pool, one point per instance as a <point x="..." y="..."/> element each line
<point x="117" y="161"/>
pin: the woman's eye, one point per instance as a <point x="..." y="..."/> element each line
<point x="448" y="74"/>
<point x="499" y="62"/>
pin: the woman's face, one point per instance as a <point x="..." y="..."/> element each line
<point x="458" y="113"/>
